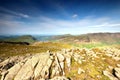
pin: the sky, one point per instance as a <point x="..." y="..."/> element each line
<point x="52" y="17"/>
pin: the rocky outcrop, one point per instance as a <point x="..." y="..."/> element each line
<point x="117" y="71"/>
<point x="110" y="75"/>
<point x="40" y="66"/>
<point x="53" y="66"/>
<point x="8" y="63"/>
<point x="113" y="52"/>
<point x="115" y="75"/>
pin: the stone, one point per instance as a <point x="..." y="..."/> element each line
<point x="80" y="71"/>
<point x="12" y="72"/>
<point x="43" y="58"/>
<point x="110" y="67"/>
<point x="45" y="71"/>
<point x="109" y="75"/>
<point x="59" y="78"/>
<point x="4" y="75"/>
<point x="56" y="68"/>
<point x="117" y="72"/>
<point x="60" y="57"/>
<point x="52" y="66"/>
<point x="68" y="60"/>
<point x="78" y="58"/>
<point x="60" y="61"/>
<point x="4" y="63"/>
<point x="42" y="79"/>
<point x="25" y="72"/>
<point x="118" y="65"/>
<point x="116" y="58"/>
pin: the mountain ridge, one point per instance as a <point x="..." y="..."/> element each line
<point x="87" y="38"/>
<point x="90" y="37"/>
<point x="23" y="38"/>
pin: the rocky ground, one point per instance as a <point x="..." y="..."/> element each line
<point x="67" y="64"/>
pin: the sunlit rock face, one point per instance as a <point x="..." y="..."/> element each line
<point x="40" y="66"/>
<point x="90" y="64"/>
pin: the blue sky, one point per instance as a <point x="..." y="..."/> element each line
<point x="59" y="16"/>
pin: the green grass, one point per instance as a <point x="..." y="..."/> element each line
<point x="7" y="50"/>
<point x="93" y="67"/>
<point x="95" y="45"/>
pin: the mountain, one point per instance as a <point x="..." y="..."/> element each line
<point x="43" y="37"/>
<point x="67" y="38"/>
<point x="24" y="38"/>
<point x="90" y="37"/>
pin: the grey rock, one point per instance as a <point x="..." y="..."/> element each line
<point x="108" y="74"/>
<point x="117" y="72"/>
<point x="59" y="78"/>
<point x="80" y="71"/>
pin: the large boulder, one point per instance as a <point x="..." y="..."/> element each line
<point x="108" y="74"/>
<point x="12" y="72"/>
<point x="39" y="66"/>
<point x="117" y="72"/>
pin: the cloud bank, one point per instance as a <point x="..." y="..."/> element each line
<point x="13" y="12"/>
<point x="46" y="25"/>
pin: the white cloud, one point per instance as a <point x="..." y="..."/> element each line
<point x="46" y="25"/>
<point x="23" y="15"/>
<point x="107" y="25"/>
<point x="14" y="13"/>
<point x="74" y="16"/>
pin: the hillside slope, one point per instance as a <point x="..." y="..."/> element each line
<point x="24" y="38"/>
<point x="91" y="37"/>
